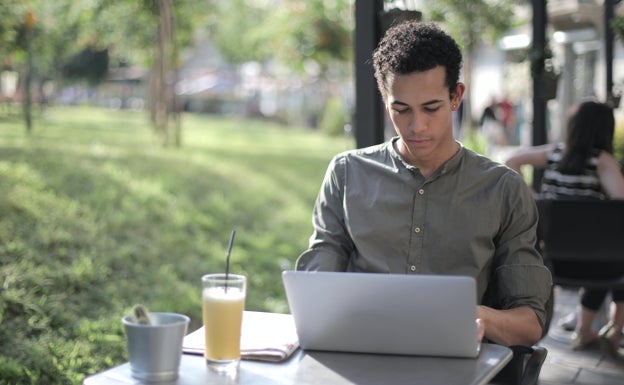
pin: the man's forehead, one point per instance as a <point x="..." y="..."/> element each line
<point x="418" y="87"/>
<point x="439" y="69"/>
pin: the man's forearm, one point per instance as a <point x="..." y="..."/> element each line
<point x="519" y="326"/>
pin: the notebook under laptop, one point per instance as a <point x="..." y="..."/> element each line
<point x="430" y="315"/>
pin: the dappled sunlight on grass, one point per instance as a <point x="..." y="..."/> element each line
<point x="96" y="215"/>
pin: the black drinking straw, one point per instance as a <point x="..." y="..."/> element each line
<point x="227" y="258"/>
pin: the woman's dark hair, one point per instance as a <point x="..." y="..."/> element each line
<point x="414" y="46"/>
<point x="590" y="127"/>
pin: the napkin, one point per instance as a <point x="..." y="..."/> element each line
<point x="264" y="337"/>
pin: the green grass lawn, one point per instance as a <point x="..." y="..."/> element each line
<point x="95" y="216"/>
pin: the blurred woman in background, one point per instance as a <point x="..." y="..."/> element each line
<point x="584" y="168"/>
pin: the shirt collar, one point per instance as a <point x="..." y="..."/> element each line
<point x="449" y="165"/>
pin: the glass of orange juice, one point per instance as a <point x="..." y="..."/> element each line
<point x="223" y="305"/>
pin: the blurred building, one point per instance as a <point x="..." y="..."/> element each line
<point x="576" y="35"/>
<point x="206" y="83"/>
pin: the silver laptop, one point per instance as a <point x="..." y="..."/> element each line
<point x="430" y="315"/>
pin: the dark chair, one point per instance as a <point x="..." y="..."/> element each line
<point x="524" y="368"/>
<point x="573" y="233"/>
<point x="578" y="236"/>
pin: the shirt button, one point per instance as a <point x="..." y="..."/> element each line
<point x="421" y="191"/>
<point x="417" y="230"/>
<point x="413" y="268"/>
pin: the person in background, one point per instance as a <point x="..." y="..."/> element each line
<point x="422" y="203"/>
<point x="583" y="168"/>
<point x="491" y="126"/>
<point x="508" y="120"/>
<point x="489" y="112"/>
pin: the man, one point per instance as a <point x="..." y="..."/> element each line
<point x="421" y="203"/>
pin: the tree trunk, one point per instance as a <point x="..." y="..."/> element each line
<point x="162" y="95"/>
<point x="175" y="66"/>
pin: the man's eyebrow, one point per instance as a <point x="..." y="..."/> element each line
<point x="427" y="103"/>
<point x="433" y="101"/>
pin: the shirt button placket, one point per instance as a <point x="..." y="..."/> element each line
<point x="417" y="230"/>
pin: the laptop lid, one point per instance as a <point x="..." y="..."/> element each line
<point x="430" y="315"/>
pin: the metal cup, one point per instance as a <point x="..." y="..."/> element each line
<point x="155" y="350"/>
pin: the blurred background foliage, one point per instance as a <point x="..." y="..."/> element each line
<point x="80" y="41"/>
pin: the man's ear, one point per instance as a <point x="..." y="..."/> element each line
<point x="456" y="96"/>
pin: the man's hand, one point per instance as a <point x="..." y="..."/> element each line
<point x="480" y="329"/>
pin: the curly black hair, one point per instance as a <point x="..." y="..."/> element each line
<point x="414" y="46"/>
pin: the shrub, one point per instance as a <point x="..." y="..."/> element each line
<point x="334" y="117"/>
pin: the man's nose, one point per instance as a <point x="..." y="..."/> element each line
<point x="418" y="123"/>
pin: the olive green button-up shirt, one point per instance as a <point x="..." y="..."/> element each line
<point x="474" y="217"/>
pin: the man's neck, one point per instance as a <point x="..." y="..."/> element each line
<point x="428" y="165"/>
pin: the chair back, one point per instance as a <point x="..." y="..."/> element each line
<point x="584" y="231"/>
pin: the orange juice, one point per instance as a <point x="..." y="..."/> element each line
<point x="223" y="315"/>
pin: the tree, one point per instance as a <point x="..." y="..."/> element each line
<point x="304" y="42"/>
<point x="468" y="22"/>
<point x="17" y="32"/>
<point x="42" y="51"/>
<point x="294" y="35"/>
<point x="73" y="37"/>
<point x="289" y="32"/>
<point x="90" y="64"/>
<point x="10" y="23"/>
<point x="617" y="25"/>
<point x="151" y="33"/>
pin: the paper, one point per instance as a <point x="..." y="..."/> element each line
<point x="264" y="337"/>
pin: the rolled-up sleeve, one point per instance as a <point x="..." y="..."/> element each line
<point x="321" y="260"/>
<point x="521" y="277"/>
<point x="524" y="285"/>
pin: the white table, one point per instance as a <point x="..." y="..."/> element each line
<point x="327" y="368"/>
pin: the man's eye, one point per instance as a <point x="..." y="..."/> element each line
<point x="432" y="109"/>
<point x="400" y="111"/>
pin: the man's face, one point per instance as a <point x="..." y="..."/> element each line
<point x="420" y="108"/>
